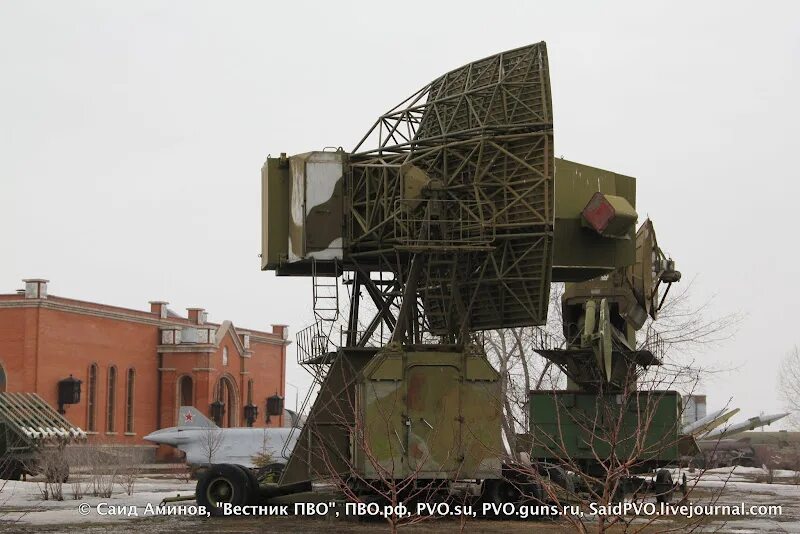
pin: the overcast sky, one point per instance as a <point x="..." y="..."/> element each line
<point x="132" y="136"/>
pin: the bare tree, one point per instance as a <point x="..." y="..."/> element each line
<point x="212" y="440"/>
<point x="789" y="383"/>
<point x="130" y="468"/>
<point x="79" y="483"/>
<point x="103" y="468"/>
<point x="686" y="327"/>
<point x="49" y="462"/>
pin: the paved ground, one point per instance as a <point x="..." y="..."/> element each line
<point x="23" y="510"/>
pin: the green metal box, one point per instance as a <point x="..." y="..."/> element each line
<point x="430" y="413"/>
<point x="642" y="427"/>
<point x="302" y="217"/>
<point x="578" y="252"/>
<point x="275" y="190"/>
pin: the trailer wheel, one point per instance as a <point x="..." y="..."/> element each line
<point x="223" y="483"/>
<point x="664" y="486"/>
<point x="252" y="480"/>
<point x="499" y="491"/>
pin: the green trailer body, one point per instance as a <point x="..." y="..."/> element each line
<point x="581" y="428"/>
<point x="440" y="406"/>
<point x="430" y="412"/>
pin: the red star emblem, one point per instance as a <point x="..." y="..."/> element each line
<point x="188" y="417"/>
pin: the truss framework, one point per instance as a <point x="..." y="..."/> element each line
<point x="484" y="134"/>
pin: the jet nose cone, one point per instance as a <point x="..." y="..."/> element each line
<point x="165" y="437"/>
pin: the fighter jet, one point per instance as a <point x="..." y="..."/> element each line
<point x="201" y="440"/>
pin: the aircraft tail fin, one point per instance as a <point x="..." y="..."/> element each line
<point x="190" y="416"/>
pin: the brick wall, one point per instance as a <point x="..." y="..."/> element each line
<point x="43" y="340"/>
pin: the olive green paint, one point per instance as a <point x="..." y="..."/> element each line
<point x="582" y="428"/>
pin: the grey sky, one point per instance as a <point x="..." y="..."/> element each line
<point x="132" y="136"/>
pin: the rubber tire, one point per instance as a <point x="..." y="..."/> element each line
<point x="253" y="484"/>
<point x="490" y="494"/>
<point x="619" y="494"/>
<point x="499" y="491"/>
<point x="234" y="476"/>
<point x="664" y="486"/>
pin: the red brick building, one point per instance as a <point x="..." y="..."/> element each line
<point x="136" y="367"/>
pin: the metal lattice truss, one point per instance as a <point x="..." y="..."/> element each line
<point x="463" y="176"/>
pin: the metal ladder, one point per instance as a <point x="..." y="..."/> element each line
<point x="325" y="294"/>
<point x="440" y="276"/>
<point x="313" y="342"/>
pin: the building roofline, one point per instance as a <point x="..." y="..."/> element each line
<point x="122" y="313"/>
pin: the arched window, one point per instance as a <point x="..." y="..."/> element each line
<point x="91" y="399"/>
<point x="129" y="400"/>
<point x="185" y="391"/>
<point x="112" y="394"/>
<point x="226" y="392"/>
<point x="224" y="356"/>
<point x="2" y="380"/>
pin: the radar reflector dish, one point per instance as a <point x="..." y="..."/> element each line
<point x="479" y="140"/>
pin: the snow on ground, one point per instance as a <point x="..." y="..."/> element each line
<point x="21" y="504"/>
<point x="755" y="472"/>
<point x="22" y="501"/>
<point x="735" y="485"/>
<point x="744" y="478"/>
